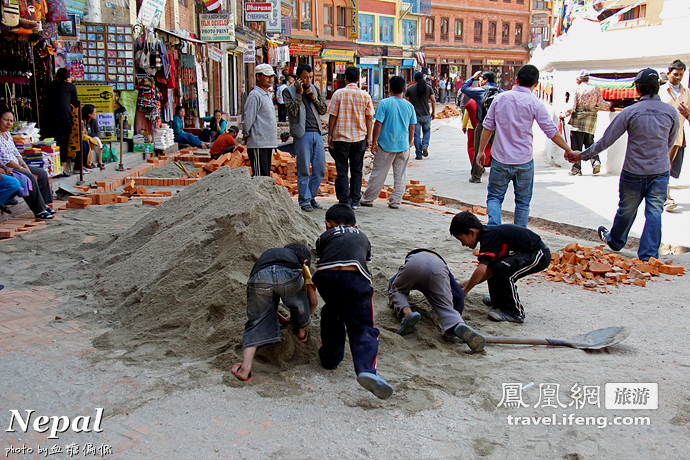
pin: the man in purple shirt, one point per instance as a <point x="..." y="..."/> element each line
<point x="512" y="115"/>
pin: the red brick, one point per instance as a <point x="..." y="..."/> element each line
<point x="83" y="200"/>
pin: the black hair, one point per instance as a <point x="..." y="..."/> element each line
<point x="341" y="214"/>
<point x="528" y="75"/>
<point x="397" y="84"/>
<point x="62" y="74"/>
<point x="4" y="111"/>
<point x="302" y="68"/>
<point x="463" y="222"/>
<point x="217" y="111"/>
<point x="650" y="87"/>
<point x="421" y="85"/>
<point x="677" y="65"/>
<point x="489" y="76"/>
<point x="352" y="74"/>
<point x="234" y="128"/>
<point x="178" y="108"/>
<point x="87" y="110"/>
<point x="301" y="250"/>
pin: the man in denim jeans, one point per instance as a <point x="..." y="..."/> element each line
<point x="511" y="115"/>
<point x="420" y="95"/>
<point x="652" y="127"/>
<point x="305" y="105"/>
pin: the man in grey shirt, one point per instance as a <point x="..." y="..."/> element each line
<point x="652" y="127"/>
<point x="259" y="124"/>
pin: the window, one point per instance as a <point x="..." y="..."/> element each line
<point x="505" y="33"/>
<point x="386" y="30"/>
<point x="540" y="5"/>
<point x="342" y="16"/>
<point x="306" y="15"/>
<point x="458" y="30"/>
<point x="492" y="32"/>
<point x="477" y="31"/>
<point x="182" y="3"/>
<point x="365" y="26"/>
<point x="328" y="19"/>
<point x="409" y="30"/>
<point x="444" y="29"/>
<point x="429" y="28"/>
<point x="518" y="34"/>
<point x="520" y="2"/>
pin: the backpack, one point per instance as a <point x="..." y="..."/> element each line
<point x="489" y="95"/>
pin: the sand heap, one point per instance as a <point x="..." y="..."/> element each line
<point x="176" y="282"/>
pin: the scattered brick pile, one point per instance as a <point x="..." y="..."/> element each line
<point x="414" y="192"/>
<point x="594" y="270"/>
<point x="447" y="112"/>
<point x="25" y="222"/>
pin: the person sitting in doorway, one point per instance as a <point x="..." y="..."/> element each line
<point x="217" y="126"/>
<point x="91" y="133"/>
<point x="180" y="135"/>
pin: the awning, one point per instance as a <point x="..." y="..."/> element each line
<point x="338" y="55"/>
<point x="181" y="37"/>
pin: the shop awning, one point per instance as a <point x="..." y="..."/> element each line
<point x="181" y="37"/>
<point x="338" y="55"/>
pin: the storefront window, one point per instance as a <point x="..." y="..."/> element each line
<point x="386" y="30"/>
<point x="409" y="32"/>
<point x="365" y="24"/>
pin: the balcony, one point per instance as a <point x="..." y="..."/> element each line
<point x="421" y="7"/>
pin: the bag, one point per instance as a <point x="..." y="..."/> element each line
<point x="57" y="11"/>
<point x="487" y="99"/>
<point x="108" y="155"/>
<point x="10" y="13"/>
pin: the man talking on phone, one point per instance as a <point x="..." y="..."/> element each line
<point x="305" y="105"/>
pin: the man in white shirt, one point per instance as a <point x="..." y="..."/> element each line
<point x="282" y="111"/>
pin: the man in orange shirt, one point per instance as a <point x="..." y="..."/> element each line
<point x="225" y="143"/>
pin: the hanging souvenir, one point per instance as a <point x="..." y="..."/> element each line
<point x="57" y="11"/>
<point x="10" y="13"/>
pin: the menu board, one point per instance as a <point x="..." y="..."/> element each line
<point x="108" y="54"/>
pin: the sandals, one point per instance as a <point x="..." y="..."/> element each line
<point x="101" y="166"/>
<point x="306" y="335"/>
<point x="235" y="370"/>
<point x="307" y="208"/>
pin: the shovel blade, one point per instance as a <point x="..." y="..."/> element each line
<point x="601" y="338"/>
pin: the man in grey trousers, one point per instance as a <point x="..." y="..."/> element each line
<point x="259" y="124"/>
<point x="427" y="272"/>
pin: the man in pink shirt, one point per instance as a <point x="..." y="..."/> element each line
<point x="512" y="115"/>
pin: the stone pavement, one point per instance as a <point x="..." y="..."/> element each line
<point x="585" y="201"/>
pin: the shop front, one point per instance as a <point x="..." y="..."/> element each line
<point x="407" y="70"/>
<point x="302" y="53"/>
<point x="371" y="70"/>
<point x="335" y="62"/>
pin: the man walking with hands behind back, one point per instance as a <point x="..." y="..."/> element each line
<point x="349" y="132"/>
<point x="259" y="122"/>
<point x="305" y="105"/>
<point x="393" y="135"/>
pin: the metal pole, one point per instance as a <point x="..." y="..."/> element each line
<point x="122" y="140"/>
<point x="80" y="157"/>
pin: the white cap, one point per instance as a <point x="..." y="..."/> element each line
<point x="265" y="69"/>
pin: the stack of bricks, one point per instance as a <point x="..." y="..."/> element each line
<point x="447" y="112"/>
<point x="118" y="180"/>
<point x="594" y="270"/>
<point x="134" y="190"/>
<point x="417" y="193"/>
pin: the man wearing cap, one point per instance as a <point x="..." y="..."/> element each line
<point x="259" y="124"/>
<point x="305" y="105"/>
<point x="225" y="143"/>
<point x="583" y="119"/>
<point x="652" y="127"/>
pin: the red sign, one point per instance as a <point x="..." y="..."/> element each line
<point x="304" y="49"/>
<point x="258" y="7"/>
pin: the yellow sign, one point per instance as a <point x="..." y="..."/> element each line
<point x="102" y="98"/>
<point x="495" y="61"/>
<point x="354" y="11"/>
<point x="338" y="55"/>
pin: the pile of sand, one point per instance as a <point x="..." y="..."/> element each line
<point x="176" y="282"/>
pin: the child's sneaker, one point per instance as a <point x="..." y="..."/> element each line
<point x="475" y="341"/>
<point x="501" y="316"/>
<point x="372" y="382"/>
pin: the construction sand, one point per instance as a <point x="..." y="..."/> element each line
<point x="164" y="291"/>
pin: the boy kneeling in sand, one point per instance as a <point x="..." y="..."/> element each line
<point x="344" y="282"/>
<point x="426" y="271"/>
<point x="279" y="274"/>
<point x="506" y="253"/>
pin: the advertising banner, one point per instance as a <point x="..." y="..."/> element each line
<point x="217" y="27"/>
<point x="100" y="96"/>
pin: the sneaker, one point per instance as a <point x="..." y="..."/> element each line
<point x="366" y="205"/>
<point x="372" y="382"/>
<point x="501" y="316"/>
<point x="50" y="210"/>
<point x="575" y="172"/>
<point x="393" y="206"/>
<point x="355" y="206"/>
<point x="670" y="204"/>
<point x="487" y="301"/>
<point x="603" y="233"/>
<point x="407" y="324"/>
<point x="418" y="158"/>
<point x="43" y="215"/>
<point x="475" y="341"/>
<point x="596" y="167"/>
<point x="425" y="151"/>
<point x="475" y="180"/>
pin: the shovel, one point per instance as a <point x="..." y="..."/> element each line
<point x="601" y="338"/>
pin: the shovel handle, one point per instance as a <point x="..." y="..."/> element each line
<point x="526" y="341"/>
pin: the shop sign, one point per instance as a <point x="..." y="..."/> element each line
<point x="217" y="27"/>
<point x="286" y="26"/>
<point x="273" y="23"/>
<point x="495" y="61"/>
<point x="540" y="20"/>
<point x="250" y="54"/>
<point x="354" y="8"/>
<point x="338" y="55"/>
<point x="241" y="47"/>
<point x="285" y="11"/>
<point x="256" y="12"/>
<point x="393" y="62"/>
<point x="305" y="25"/>
<point x="100" y="96"/>
<point x="369" y="60"/>
<point x="76" y="7"/>
<point x="151" y="12"/>
<point x="304" y="49"/>
<point x="215" y="54"/>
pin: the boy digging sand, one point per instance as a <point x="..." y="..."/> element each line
<point x="344" y="283"/>
<point x="506" y="253"/>
<point x="427" y="272"/>
<point x="279" y="274"/>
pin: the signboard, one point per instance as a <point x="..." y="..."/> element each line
<point x="286" y="10"/>
<point x="241" y="47"/>
<point x="304" y="49"/>
<point x="354" y="9"/>
<point x="250" y="54"/>
<point x="256" y="12"/>
<point x="215" y="54"/>
<point x="217" y="27"/>
<point x="338" y="55"/>
<point x="102" y="98"/>
<point x="540" y="20"/>
<point x="151" y="12"/>
<point x="273" y="24"/>
<point x="286" y="26"/>
<point x="76" y="7"/>
<point x="495" y="61"/>
<point x="369" y="60"/>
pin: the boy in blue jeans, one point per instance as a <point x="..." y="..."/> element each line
<point x="279" y="274"/>
<point x="344" y="282"/>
